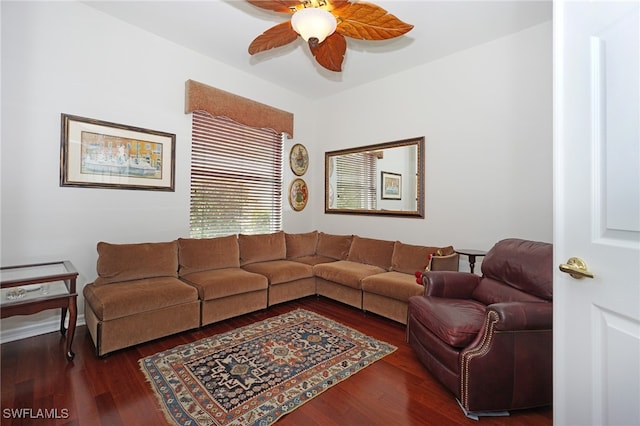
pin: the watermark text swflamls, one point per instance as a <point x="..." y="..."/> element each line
<point x="35" y="413"/>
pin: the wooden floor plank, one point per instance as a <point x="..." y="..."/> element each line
<point x="113" y="391"/>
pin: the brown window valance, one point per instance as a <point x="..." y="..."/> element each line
<point x="200" y="97"/>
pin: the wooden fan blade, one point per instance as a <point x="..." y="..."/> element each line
<point x="276" y="5"/>
<point x="275" y="36"/>
<point x="330" y="52"/>
<point x="335" y="4"/>
<point x="368" y="22"/>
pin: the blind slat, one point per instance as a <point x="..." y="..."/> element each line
<point x="357" y="181"/>
<point x="236" y="178"/>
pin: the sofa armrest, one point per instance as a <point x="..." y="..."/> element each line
<point x="515" y="316"/>
<point x="451" y="284"/>
<point x="450" y="262"/>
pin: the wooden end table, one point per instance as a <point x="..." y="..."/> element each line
<point x="28" y="289"/>
<point x="471" y="254"/>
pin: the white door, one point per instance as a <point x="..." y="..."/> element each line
<point x="597" y="212"/>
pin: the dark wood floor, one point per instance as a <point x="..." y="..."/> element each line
<point x="112" y="391"/>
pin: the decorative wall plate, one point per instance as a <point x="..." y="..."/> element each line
<point x="299" y="159"/>
<point x="298" y="194"/>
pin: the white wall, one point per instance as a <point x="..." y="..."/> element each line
<point x="65" y="57"/>
<point x="486" y="114"/>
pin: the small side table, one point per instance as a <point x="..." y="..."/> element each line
<point x="471" y="254"/>
<point x="27" y="289"/>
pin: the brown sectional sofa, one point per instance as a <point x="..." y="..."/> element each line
<point x="388" y="293"/>
<point x="342" y="280"/>
<point x="151" y="290"/>
<point x="212" y="265"/>
<point x="137" y="296"/>
<point x="266" y="255"/>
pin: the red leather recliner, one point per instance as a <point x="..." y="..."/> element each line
<point x="489" y="339"/>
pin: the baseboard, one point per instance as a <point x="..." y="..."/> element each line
<point x="31" y="330"/>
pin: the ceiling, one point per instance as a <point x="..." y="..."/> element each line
<point x="223" y="30"/>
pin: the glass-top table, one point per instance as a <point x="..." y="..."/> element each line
<point x="28" y="289"/>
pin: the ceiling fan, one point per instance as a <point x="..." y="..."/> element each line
<point x="323" y="24"/>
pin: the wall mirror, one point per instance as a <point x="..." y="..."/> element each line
<point x="382" y="179"/>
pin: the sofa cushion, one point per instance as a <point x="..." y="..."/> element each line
<point x="410" y="258"/>
<point x="299" y="245"/>
<point x="126" y="262"/>
<point x="201" y="254"/>
<point x="219" y="283"/>
<point x="314" y="260"/>
<point x="262" y="247"/>
<point x="122" y="299"/>
<point x="394" y="285"/>
<point x="346" y="272"/>
<point x="454" y="321"/>
<point x="371" y="252"/>
<point x="281" y="271"/>
<point x="333" y="246"/>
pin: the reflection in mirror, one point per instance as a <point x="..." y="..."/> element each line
<point x="381" y="179"/>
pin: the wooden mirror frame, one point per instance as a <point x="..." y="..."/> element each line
<point x="418" y="142"/>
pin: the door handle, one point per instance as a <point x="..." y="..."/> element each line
<point x="577" y="268"/>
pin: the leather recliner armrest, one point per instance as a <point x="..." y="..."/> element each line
<point x="455" y="285"/>
<point x="514" y="316"/>
<point x="497" y="372"/>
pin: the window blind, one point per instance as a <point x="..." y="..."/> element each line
<point x="357" y="185"/>
<point x="236" y="178"/>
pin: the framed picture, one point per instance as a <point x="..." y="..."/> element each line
<point x="298" y="194"/>
<point x="299" y="159"/>
<point x="391" y="186"/>
<point x="99" y="154"/>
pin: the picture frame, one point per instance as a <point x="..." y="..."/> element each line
<point x="101" y="154"/>
<point x="299" y="159"/>
<point x="298" y="194"/>
<point x="391" y="186"/>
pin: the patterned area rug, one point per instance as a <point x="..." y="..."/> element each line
<point x="256" y="374"/>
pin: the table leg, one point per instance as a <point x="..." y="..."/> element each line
<point x="472" y="262"/>
<point x="73" y="314"/>
<point x="63" y="316"/>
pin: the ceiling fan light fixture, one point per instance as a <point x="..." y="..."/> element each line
<point x="325" y="25"/>
<point x="313" y="23"/>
